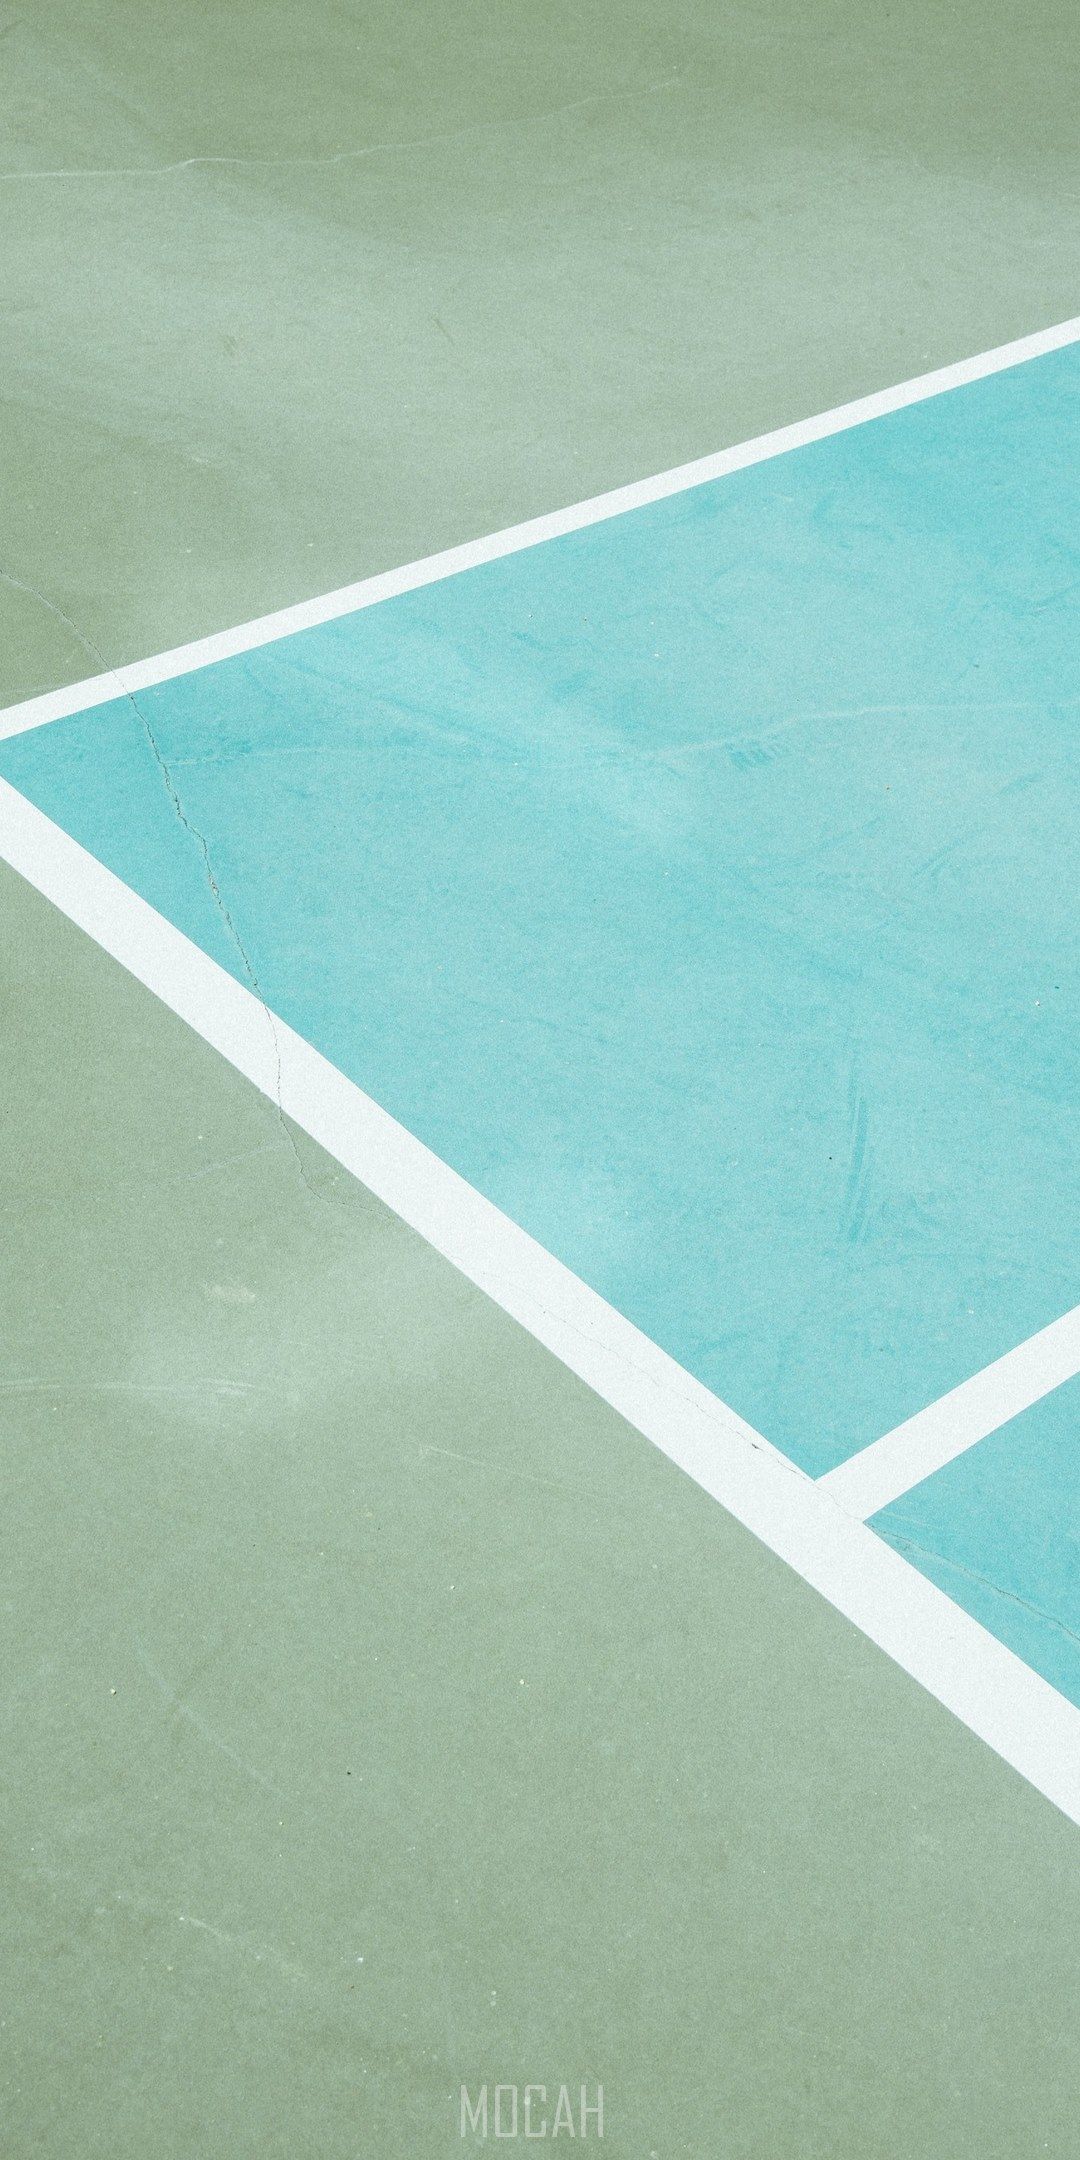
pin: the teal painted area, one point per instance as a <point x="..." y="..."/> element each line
<point x="999" y="1529"/>
<point x="702" y="886"/>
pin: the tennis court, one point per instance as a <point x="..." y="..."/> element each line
<point x="539" y="805"/>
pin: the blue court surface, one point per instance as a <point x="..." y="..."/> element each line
<point x="702" y="885"/>
<point x="999" y="1530"/>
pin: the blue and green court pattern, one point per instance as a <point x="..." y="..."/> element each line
<point x="541" y="1372"/>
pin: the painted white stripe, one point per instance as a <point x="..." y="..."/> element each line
<point x="59" y="704"/>
<point x="1014" y="1711"/>
<point x="947" y="1428"/>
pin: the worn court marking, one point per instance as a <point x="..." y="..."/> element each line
<point x="924" y="1443"/>
<point x="960" y="1663"/>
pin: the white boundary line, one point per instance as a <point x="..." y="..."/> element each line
<point x="935" y="1436"/>
<point x="992" y="1691"/>
<point x="246" y="637"/>
<point x="1026" y="1721"/>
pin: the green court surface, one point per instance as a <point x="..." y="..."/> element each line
<point x="383" y="1713"/>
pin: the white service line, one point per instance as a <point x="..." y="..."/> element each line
<point x="991" y="1690"/>
<point x="246" y="637"/>
<point x="889" y="1467"/>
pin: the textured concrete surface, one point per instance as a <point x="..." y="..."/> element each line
<point x="454" y="1736"/>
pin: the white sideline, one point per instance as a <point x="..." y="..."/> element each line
<point x="59" y="704"/>
<point x="991" y="1690"/>
<point x="935" y="1436"/>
